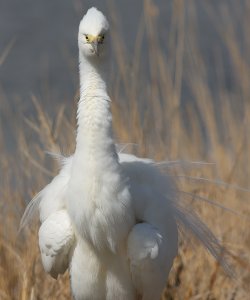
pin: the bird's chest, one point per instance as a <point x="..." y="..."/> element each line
<point x="101" y="211"/>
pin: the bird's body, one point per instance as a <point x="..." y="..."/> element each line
<point x="106" y="263"/>
<point x="109" y="218"/>
<point x="105" y="266"/>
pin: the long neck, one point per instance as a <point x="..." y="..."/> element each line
<point x="94" y="134"/>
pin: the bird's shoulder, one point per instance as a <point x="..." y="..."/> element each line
<point x="53" y="196"/>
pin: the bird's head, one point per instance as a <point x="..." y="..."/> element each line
<point x="92" y="37"/>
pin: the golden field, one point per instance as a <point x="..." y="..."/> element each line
<point x="210" y="124"/>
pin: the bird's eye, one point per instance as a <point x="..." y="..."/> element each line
<point x="87" y="37"/>
<point x="101" y="38"/>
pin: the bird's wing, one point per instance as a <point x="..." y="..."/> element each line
<point x="158" y="202"/>
<point x="153" y="242"/>
<point x="56" y="238"/>
<point x="147" y="260"/>
<point x="152" y="192"/>
<point x="143" y="242"/>
<point x="51" y="198"/>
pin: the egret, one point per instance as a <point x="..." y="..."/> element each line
<point x="108" y="217"/>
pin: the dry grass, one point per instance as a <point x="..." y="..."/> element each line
<point x="212" y="125"/>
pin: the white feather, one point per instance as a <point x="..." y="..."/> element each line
<point x="124" y="157"/>
<point x="56" y="238"/>
<point x="147" y="264"/>
<point x="52" y="197"/>
<point x="112" y="218"/>
<point x="155" y="200"/>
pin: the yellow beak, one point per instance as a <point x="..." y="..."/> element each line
<point x="94" y="45"/>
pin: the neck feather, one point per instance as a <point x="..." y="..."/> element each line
<point x="94" y="134"/>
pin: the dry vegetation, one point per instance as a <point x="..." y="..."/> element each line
<point x="211" y="126"/>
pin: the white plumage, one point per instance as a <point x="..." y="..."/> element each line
<point x="56" y="237"/>
<point x="111" y="219"/>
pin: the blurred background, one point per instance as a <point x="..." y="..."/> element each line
<point x="179" y="81"/>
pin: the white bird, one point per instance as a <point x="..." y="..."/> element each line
<point x="110" y="218"/>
